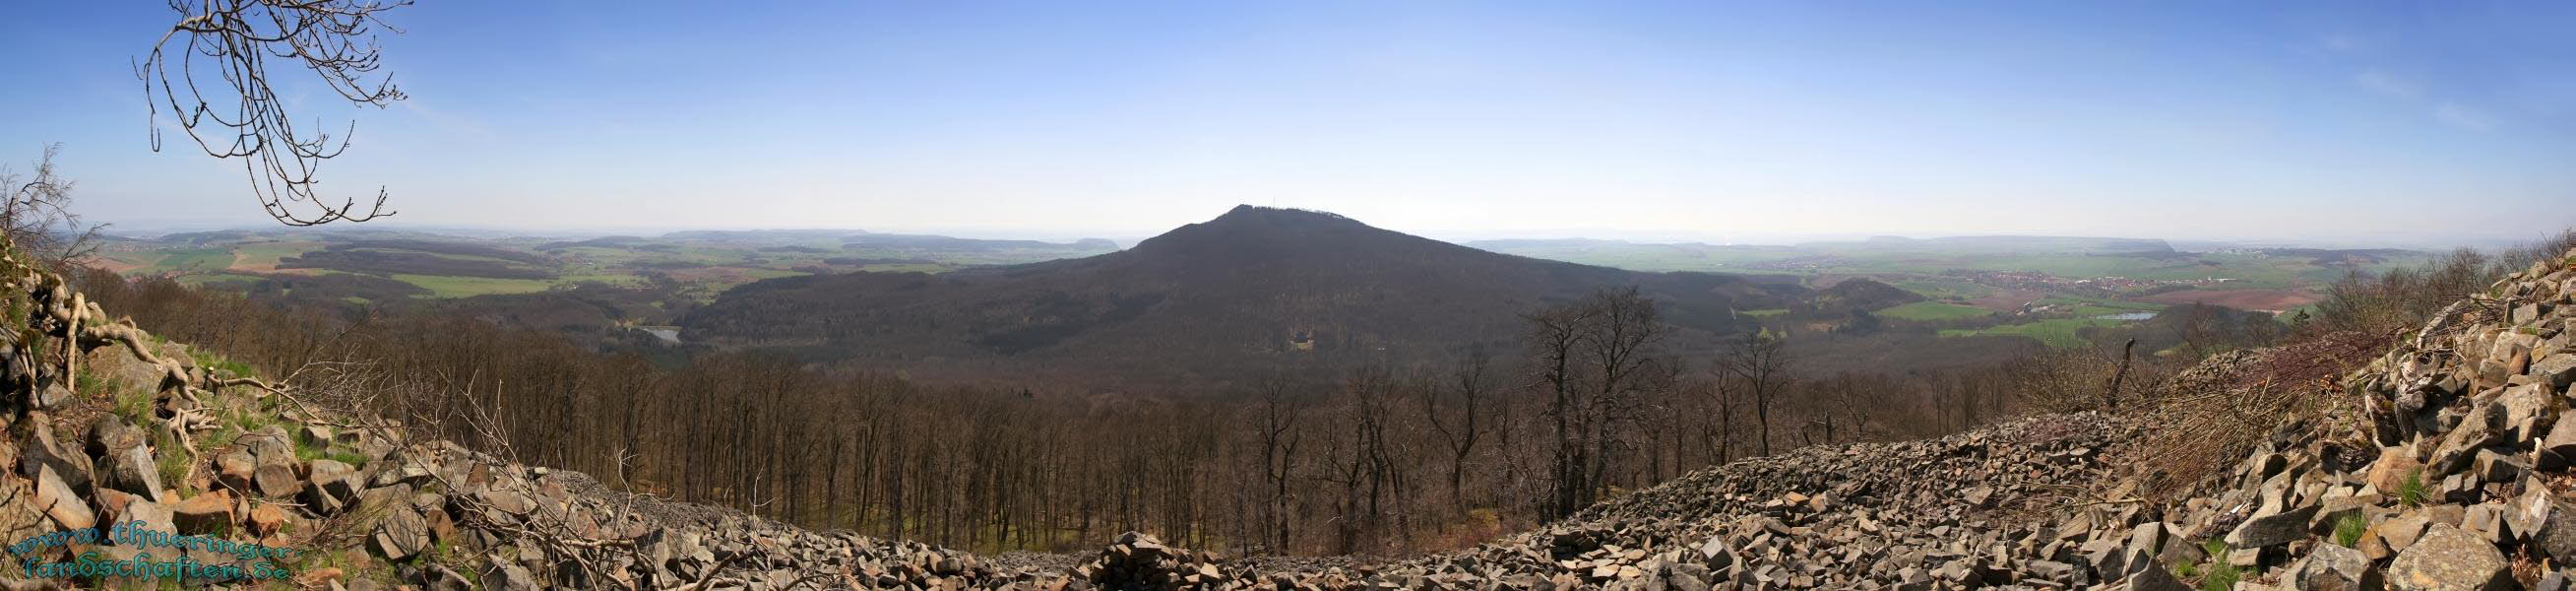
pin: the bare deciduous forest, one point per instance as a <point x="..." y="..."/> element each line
<point x="1373" y="460"/>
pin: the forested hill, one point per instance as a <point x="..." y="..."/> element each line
<point x="1256" y="287"/>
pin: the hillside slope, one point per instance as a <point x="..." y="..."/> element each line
<point x="2442" y="464"/>
<point x="1253" y="287"/>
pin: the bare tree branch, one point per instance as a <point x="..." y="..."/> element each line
<point x="235" y="38"/>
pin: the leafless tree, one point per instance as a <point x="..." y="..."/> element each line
<point x="216" y="84"/>
<point x="1453" y="412"/>
<point x="1760" y="365"/>
<point x="1719" y="401"/>
<point x="1595" y="359"/>
<point x="1280" y="414"/>
<point x="38" y="219"/>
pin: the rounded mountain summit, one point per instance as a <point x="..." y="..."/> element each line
<point x="1253" y="289"/>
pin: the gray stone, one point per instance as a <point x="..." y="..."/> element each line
<point x="508" y="501"/>
<point x="2447" y="559"/>
<point x="2557" y="369"/>
<point x="2274" y="529"/>
<point x="2156" y="577"/>
<point x="2335" y="568"/>
<point x="2401" y="531"/>
<point x="400" y="533"/>
<point x="147" y="516"/>
<point x="276" y="478"/>
<point x="2558" y="448"/>
<point x="2486" y="521"/>
<point x="331" y="485"/>
<point x="110" y="434"/>
<point x="135" y="471"/>
<point x="235" y="467"/>
<point x="70" y="464"/>
<point x="2483" y="425"/>
<point x="504" y="575"/>
<point x="2554" y="527"/>
<point x="270" y="444"/>
<point x="2526" y="410"/>
<point x="441" y="578"/>
<point x="2052" y="571"/>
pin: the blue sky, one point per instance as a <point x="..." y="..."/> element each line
<point x="1719" y="121"/>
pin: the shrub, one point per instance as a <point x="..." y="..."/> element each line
<point x="2406" y="297"/>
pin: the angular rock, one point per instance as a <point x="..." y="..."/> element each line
<point x="2527" y="409"/>
<point x="266" y="519"/>
<point x="330" y="486"/>
<point x="2493" y="466"/>
<point x="2335" y="568"/>
<point x="276" y="478"/>
<point x="70" y="464"/>
<point x="2400" y="531"/>
<point x="2154" y="578"/>
<point x="60" y="502"/>
<point x="2483" y="425"/>
<point x="2274" y="529"/>
<point x="110" y="435"/>
<point x="2554" y="528"/>
<point x="2557" y="450"/>
<point x="235" y="468"/>
<point x="148" y="516"/>
<point x="2447" y="559"/>
<point x="400" y="533"/>
<point x="2556" y="370"/>
<point x="203" y="514"/>
<point x="2396" y="463"/>
<point x="505" y="576"/>
<point x="135" y="471"/>
<point x="441" y="578"/>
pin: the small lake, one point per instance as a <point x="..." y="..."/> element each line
<point x="2128" y="316"/>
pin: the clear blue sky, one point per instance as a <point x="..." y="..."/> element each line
<point x="2168" y="119"/>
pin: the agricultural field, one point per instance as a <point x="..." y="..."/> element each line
<point x="373" y="265"/>
<point x="1929" y="310"/>
<point x="2042" y="288"/>
<point x="2056" y="332"/>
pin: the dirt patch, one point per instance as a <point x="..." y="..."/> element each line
<point x="2267" y="300"/>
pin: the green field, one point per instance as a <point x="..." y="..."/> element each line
<point x="1944" y="289"/>
<point x="2056" y="333"/>
<point x="2085" y="306"/>
<point x="203" y="260"/>
<point x="1932" y="311"/>
<point x="696" y="265"/>
<point x="1943" y="268"/>
<point x="457" y="287"/>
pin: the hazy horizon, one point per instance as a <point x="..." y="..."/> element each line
<point x="1128" y="239"/>
<point x="1741" y="124"/>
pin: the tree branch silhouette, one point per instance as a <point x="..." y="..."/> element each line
<point x="226" y="44"/>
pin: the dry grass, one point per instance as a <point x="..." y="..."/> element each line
<point x="2208" y="419"/>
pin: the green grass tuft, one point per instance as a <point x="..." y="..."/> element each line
<point x="2218" y="575"/>
<point x="352" y="458"/>
<point x="2348" y="529"/>
<point x="2412" y="491"/>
